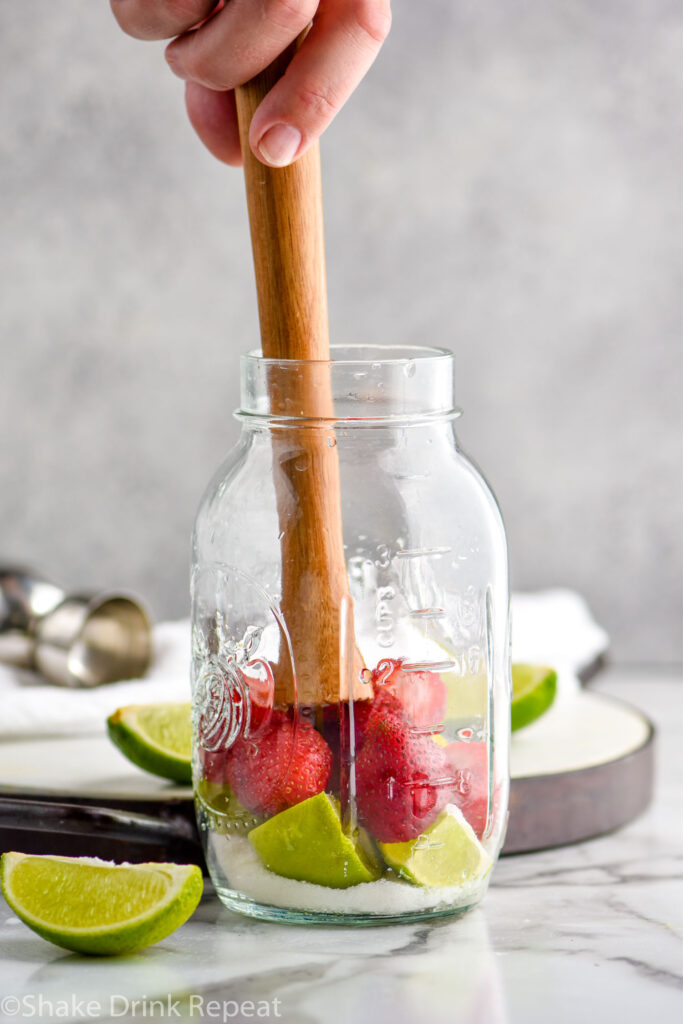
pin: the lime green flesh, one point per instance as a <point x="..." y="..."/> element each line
<point x="307" y="842"/>
<point x="533" y="691"/>
<point x="448" y="853"/>
<point x="96" y="907"/>
<point x="155" y="737"/>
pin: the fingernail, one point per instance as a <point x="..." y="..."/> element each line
<point x="279" y="144"/>
<point x="173" y="61"/>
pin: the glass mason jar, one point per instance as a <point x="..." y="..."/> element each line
<point x="350" y="663"/>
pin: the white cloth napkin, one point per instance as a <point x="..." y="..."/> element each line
<point x="552" y="627"/>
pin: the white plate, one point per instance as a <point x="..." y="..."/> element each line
<point x="580" y="732"/>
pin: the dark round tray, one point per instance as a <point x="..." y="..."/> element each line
<point x="582" y="770"/>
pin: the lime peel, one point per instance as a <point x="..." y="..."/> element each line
<point x="306" y="842"/>
<point x="533" y="691"/>
<point x="124" y="907"/>
<point x="155" y="737"/>
<point x="448" y="853"/>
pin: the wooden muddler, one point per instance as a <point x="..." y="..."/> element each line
<point x="286" y="221"/>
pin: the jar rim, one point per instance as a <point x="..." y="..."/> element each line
<point x="361" y="383"/>
<point x="373" y="354"/>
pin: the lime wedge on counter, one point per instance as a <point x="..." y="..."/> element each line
<point x="306" y="842"/>
<point x="94" y="906"/>
<point x="448" y="853"/>
<point x="533" y="691"/>
<point x="156" y="737"/>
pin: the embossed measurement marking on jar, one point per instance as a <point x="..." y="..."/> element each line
<point x="419" y="581"/>
<point x="430" y="666"/>
<point x="423" y="552"/>
<point x="384" y="618"/>
<point x="427" y="613"/>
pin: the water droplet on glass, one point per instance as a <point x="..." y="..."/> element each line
<point x="331" y="442"/>
<point x="409" y="368"/>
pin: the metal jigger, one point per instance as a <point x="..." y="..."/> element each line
<point x="72" y="640"/>
<point x="25" y="598"/>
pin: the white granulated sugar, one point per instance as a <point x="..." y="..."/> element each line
<point x="246" y="874"/>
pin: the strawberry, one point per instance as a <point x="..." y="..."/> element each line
<point x="337" y="719"/>
<point x="403" y="778"/>
<point x="336" y="728"/>
<point x="287" y="764"/>
<point x="259" y="701"/>
<point x="469" y="764"/>
<point x="423" y="695"/>
<point x="362" y="711"/>
<point x="384" y="705"/>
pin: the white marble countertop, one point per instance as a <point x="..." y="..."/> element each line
<point x="590" y="933"/>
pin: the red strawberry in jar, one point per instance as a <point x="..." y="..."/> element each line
<point x="344" y="726"/>
<point x="423" y="695"/>
<point x="236" y="702"/>
<point x="287" y="763"/>
<point x="403" y="778"/>
<point x="470" y="766"/>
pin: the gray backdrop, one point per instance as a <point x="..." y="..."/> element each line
<point x="506" y="182"/>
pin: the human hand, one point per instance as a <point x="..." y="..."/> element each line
<point x="221" y="45"/>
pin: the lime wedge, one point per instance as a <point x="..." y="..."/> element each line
<point x="307" y="842"/>
<point x="533" y="691"/>
<point x="94" y="906"/>
<point x="156" y="737"/>
<point x="448" y="853"/>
